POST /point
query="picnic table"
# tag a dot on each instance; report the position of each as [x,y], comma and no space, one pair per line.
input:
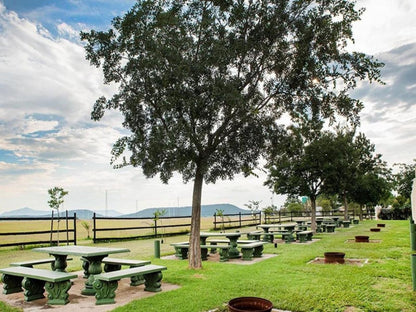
[94,256]
[232,236]
[286,227]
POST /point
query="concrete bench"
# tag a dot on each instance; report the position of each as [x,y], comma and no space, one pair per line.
[304,236]
[255,235]
[224,252]
[31,263]
[252,250]
[286,236]
[114,264]
[330,228]
[105,284]
[181,250]
[35,281]
[215,242]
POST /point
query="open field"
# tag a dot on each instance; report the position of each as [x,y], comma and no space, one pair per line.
[383,283]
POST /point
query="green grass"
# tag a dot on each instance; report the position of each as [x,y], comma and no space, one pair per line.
[383,284]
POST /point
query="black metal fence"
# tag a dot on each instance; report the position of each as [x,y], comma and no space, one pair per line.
[38,237]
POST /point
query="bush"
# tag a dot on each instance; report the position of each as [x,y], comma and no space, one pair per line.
[396,213]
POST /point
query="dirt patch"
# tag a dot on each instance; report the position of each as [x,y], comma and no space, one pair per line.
[124,294]
[356,262]
[369,241]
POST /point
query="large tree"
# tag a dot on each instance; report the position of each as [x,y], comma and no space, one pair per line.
[299,163]
[354,157]
[202,83]
[404,179]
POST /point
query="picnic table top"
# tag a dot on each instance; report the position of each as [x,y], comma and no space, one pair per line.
[229,234]
[82,251]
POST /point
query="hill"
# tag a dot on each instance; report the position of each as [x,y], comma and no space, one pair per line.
[206,211]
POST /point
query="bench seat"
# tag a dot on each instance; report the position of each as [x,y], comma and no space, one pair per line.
[181,250]
[304,236]
[105,284]
[224,252]
[31,263]
[114,264]
[35,281]
[251,250]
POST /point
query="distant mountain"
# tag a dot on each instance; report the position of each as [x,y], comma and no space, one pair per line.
[25,212]
[31,213]
[206,211]
[109,213]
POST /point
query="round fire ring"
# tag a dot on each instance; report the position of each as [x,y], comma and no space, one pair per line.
[375,229]
[334,257]
[249,304]
[381,225]
[362,239]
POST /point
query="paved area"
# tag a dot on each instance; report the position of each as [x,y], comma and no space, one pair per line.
[77,302]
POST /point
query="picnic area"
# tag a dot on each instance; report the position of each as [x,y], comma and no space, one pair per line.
[289,274]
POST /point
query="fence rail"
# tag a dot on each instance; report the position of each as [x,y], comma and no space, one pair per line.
[138,228]
[37,237]
[236,220]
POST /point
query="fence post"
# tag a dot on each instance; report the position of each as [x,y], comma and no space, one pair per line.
[67,233]
[50,239]
[75,228]
[94,227]
[215,220]
[155,227]
[239,218]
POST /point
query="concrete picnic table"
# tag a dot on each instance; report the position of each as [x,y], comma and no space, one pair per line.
[232,236]
[94,256]
[286,227]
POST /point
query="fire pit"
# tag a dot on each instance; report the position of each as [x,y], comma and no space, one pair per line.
[381,225]
[375,229]
[362,239]
[334,257]
[249,304]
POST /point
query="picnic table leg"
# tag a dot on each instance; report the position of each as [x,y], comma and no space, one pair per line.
[60,263]
[105,291]
[94,268]
[233,253]
[153,281]
[11,284]
[34,289]
[58,292]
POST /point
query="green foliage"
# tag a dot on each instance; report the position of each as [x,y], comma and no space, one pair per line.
[87,226]
[404,178]
[56,197]
[159,213]
[397,212]
[202,84]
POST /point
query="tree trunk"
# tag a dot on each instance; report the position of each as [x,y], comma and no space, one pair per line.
[346,218]
[361,212]
[313,214]
[195,261]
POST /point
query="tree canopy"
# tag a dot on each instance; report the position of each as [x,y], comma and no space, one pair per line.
[201,84]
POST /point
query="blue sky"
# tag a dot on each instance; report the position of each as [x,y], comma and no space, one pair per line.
[48,89]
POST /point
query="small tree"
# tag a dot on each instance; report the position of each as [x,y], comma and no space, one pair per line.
[87,227]
[220,213]
[156,216]
[254,206]
[57,199]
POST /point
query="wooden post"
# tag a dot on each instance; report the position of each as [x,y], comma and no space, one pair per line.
[239,217]
[75,228]
[67,233]
[94,239]
[50,240]
[215,220]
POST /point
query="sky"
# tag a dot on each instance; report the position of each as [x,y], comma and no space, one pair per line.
[47,91]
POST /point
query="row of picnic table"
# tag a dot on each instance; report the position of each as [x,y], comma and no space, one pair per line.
[57,281]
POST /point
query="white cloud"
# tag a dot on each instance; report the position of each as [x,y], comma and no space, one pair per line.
[385,24]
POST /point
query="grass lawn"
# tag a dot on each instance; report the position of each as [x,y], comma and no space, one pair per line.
[382,284]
